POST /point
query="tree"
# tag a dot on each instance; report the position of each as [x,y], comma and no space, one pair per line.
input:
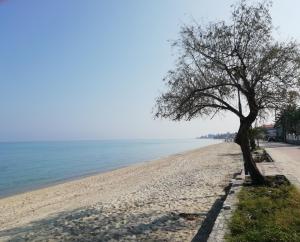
[236,66]
[255,133]
[289,120]
[288,115]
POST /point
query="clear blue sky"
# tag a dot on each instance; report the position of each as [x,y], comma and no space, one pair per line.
[75,69]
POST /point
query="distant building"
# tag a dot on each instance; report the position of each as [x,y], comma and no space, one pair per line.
[271,132]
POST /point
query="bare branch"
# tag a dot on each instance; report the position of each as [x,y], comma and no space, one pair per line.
[222,60]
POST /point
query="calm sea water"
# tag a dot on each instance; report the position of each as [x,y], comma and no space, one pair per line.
[29,165]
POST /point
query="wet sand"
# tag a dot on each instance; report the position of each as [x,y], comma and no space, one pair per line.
[161,200]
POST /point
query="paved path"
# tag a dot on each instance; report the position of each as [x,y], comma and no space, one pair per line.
[287,159]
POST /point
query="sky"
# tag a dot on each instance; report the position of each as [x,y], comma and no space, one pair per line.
[78,69]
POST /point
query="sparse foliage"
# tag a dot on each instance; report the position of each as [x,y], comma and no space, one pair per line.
[237,67]
[255,133]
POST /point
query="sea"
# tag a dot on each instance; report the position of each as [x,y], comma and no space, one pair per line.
[26,166]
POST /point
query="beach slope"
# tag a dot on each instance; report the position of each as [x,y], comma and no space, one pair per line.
[161,200]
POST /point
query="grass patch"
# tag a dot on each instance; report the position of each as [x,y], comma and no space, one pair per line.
[266,213]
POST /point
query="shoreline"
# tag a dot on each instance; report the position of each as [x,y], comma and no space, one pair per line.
[90,174]
[152,193]
[83,173]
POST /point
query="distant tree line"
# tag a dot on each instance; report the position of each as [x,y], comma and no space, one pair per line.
[227,135]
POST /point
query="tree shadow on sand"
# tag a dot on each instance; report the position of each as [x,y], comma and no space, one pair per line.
[96,225]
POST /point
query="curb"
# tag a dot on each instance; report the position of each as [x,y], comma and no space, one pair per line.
[221,225]
[290,177]
[214,226]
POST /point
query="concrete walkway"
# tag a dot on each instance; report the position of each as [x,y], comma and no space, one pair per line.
[286,159]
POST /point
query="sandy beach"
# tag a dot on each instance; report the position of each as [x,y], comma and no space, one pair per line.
[161,200]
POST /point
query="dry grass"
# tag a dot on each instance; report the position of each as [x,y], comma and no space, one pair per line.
[267,213]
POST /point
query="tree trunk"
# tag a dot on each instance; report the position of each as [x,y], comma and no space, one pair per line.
[252,143]
[284,128]
[242,139]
